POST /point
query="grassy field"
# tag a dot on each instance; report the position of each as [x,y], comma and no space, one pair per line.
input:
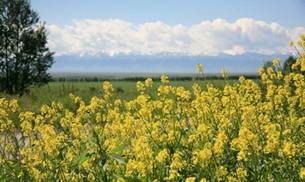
[59,91]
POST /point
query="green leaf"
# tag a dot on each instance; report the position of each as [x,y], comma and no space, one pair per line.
[118,158]
[79,160]
[118,149]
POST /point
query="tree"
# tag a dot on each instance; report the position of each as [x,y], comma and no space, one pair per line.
[268,64]
[24,55]
[287,67]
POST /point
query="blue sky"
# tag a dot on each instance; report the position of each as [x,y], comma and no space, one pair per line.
[138,29]
[188,27]
[288,13]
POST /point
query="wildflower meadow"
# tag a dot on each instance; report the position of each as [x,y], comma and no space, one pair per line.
[247,131]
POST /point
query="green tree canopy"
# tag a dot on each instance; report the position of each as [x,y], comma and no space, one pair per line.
[24,55]
[287,67]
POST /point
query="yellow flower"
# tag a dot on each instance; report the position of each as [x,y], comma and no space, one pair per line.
[162,155]
[148,82]
[86,164]
[121,180]
[164,90]
[203,180]
[91,177]
[303,65]
[202,157]
[224,73]
[172,133]
[190,179]
[291,43]
[232,179]
[276,62]
[199,68]
[107,86]
[131,167]
[219,144]
[273,138]
[241,172]
[242,79]
[221,173]
[177,162]
[302,173]
[164,79]
[140,87]
[289,149]
[13,104]
[173,174]
[98,117]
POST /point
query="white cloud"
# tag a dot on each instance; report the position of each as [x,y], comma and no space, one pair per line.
[94,37]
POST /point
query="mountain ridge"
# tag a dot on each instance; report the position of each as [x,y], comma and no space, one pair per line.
[245,63]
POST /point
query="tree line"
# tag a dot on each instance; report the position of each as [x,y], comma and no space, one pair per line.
[286,67]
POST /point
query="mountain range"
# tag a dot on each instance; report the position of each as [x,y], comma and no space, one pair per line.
[247,63]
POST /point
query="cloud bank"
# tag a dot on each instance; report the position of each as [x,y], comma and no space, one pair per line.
[114,36]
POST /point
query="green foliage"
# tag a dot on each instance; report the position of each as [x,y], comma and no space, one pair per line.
[287,67]
[59,91]
[24,55]
[268,64]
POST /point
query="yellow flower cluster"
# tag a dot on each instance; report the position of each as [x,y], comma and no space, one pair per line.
[246,131]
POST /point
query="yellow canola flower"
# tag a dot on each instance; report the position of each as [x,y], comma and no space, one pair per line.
[303,65]
[241,173]
[140,87]
[177,162]
[162,156]
[289,149]
[276,62]
[291,43]
[199,68]
[190,179]
[164,79]
[221,173]
[148,82]
[171,133]
[202,157]
[302,173]
[224,73]
[219,144]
